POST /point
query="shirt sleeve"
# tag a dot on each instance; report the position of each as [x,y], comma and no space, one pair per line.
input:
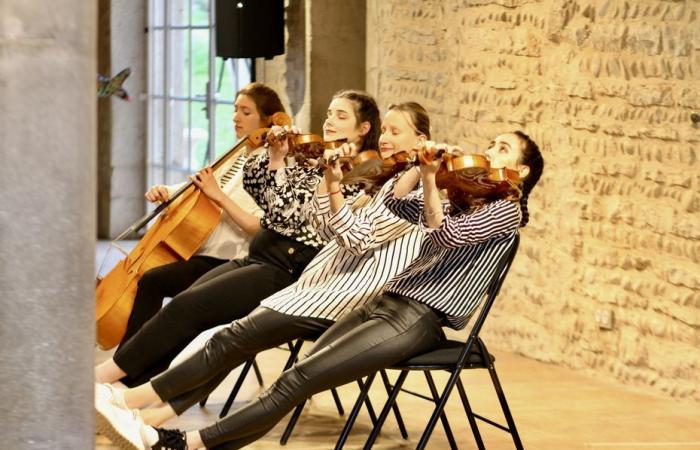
[319,212]
[477,226]
[359,232]
[409,207]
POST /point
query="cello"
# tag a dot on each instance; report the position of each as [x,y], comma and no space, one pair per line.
[185,222]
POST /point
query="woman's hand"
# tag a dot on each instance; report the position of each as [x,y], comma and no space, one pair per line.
[431,168]
[205,181]
[331,158]
[157,193]
[278,145]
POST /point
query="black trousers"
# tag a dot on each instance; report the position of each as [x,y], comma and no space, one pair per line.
[382,333]
[165,281]
[222,295]
[185,384]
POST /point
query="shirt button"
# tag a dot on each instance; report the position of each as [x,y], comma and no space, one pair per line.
[290,251]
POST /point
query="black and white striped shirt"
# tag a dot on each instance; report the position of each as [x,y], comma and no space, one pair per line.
[367,247]
[459,259]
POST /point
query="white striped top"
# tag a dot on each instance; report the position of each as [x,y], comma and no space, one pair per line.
[459,259]
[366,249]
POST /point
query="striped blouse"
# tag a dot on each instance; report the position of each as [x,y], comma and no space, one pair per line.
[459,259]
[366,249]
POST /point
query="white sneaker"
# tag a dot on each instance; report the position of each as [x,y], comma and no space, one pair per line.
[107,392]
[121,426]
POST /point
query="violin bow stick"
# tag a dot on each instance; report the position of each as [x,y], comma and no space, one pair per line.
[136,226]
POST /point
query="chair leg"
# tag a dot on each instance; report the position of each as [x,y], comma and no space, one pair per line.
[338,404]
[470,415]
[395,406]
[294,350]
[258,374]
[292,423]
[368,403]
[385,410]
[504,406]
[237,387]
[437,412]
[364,390]
[203,402]
[443,416]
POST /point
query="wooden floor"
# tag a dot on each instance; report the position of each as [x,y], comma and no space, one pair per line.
[554,409]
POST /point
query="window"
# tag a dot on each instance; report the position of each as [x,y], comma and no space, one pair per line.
[190,90]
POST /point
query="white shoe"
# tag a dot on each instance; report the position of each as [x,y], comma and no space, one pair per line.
[107,392]
[121,426]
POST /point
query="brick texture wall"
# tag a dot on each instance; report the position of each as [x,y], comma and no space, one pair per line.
[607,89]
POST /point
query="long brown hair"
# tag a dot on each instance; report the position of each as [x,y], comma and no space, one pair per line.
[265,98]
[366,110]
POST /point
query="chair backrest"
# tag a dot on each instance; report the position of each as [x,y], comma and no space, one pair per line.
[492,291]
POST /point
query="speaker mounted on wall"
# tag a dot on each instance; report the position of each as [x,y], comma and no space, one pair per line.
[249,28]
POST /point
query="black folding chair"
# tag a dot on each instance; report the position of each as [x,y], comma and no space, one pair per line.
[364,386]
[453,356]
[237,386]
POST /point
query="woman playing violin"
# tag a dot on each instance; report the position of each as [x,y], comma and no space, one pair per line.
[368,245]
[283,246]
[442,287]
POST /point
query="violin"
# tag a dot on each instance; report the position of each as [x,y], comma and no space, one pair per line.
[304,146]
[470,176]
[187,219]
[371,170]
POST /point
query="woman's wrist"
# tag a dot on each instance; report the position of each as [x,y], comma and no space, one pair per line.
[332,186]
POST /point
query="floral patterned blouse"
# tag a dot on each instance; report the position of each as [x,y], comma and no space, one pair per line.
[281,194]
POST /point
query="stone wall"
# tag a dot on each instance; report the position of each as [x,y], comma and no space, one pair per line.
[607,88]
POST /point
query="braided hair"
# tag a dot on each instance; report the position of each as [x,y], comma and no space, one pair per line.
[531,157]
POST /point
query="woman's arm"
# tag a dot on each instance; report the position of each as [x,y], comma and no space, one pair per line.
[209,186]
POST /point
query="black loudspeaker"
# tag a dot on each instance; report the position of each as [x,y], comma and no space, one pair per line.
[249,28]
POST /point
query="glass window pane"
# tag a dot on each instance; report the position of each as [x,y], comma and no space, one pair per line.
[157,12]
[200,136]
[241,73]
[156,152]
[200,63]
[179,12]
[225,134]
[179,155]
[200,12]
[232,79]
[179,63]
[158,62]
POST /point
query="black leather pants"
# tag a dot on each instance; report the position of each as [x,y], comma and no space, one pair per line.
[384,332]
[185,384]
[222,295]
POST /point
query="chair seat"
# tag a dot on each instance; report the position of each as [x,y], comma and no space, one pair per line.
[444,356]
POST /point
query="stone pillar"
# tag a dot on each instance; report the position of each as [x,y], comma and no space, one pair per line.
[47,223]
[123,126]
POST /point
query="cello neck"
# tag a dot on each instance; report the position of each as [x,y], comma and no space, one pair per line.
[140,223]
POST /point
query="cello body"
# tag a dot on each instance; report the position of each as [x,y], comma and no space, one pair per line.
[177,234]
[185,222]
